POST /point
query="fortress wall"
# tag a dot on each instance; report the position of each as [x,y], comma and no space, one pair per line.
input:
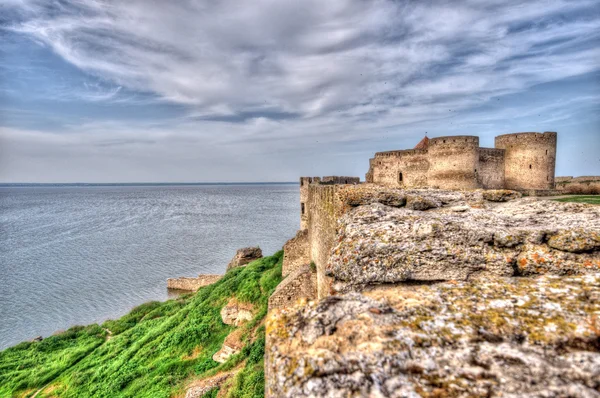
[192,284]
[299,284]
[295,253]
[321,230]
[304,183]
[491,168]
[529,159]
[340,180]
[406,168]
[453,162]
[578,185]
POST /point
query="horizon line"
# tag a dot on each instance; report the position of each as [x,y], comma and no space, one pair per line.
[6,184]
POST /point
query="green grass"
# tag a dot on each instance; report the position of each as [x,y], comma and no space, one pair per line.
[154,351]
[592,199]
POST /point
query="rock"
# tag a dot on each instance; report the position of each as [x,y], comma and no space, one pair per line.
[231,346]
[236,313]
[500,195]
[37,339]
[244,256]
[198,388]
[415,202]
[505,336]
[379,244]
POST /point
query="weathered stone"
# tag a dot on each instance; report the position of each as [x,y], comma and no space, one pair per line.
[244,256]
[295,253]
[299,284]
[192,284]
[500,195]
[201,387]
[509,337]
[414,202]
[236,313]
[378,244]
[231,346]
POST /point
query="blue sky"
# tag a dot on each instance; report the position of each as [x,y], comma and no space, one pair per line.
[265,90]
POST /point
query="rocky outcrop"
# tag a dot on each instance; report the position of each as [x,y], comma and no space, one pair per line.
[231,346]
[192,284]
[379,244]
[236,313]
[244,256]
[505,336]
[201,387]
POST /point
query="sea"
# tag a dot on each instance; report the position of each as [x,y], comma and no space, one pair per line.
[80,254]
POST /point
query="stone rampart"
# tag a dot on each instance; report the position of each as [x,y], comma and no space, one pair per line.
[295,253]
[299,284]
[453,162]
[491,168]
[192,284]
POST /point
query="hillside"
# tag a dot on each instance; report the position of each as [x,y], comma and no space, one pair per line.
[157,350]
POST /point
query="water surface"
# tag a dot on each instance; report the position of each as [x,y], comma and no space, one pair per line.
[83,254]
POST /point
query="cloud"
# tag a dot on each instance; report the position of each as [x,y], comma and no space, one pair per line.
[297,80]
[312,58]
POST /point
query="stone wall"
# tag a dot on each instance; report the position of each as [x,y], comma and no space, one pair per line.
[453,162]
[192,284]
[295,253]
[299,284]
[407,168]
[491,168]
[578,185]
[304,184]
[529,159]
[321,229]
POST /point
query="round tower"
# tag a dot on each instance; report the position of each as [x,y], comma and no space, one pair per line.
[453,162]
[529,159]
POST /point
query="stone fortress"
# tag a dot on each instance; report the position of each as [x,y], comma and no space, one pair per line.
[518,161]
[522,162]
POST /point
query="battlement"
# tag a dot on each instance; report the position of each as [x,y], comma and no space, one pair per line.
[401,152]
[454,140]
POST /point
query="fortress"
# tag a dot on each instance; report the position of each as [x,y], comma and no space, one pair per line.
[520,161]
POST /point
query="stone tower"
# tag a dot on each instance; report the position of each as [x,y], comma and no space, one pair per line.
[453,162]
[529,159]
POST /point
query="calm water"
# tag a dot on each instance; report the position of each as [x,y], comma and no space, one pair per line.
[79,255]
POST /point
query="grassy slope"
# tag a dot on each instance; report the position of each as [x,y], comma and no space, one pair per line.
[154,350]
[592,199]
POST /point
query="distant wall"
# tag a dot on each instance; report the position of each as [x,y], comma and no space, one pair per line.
[491,168]
[454,162]
[295,253]
[192,284]
[578,185]
[529,159]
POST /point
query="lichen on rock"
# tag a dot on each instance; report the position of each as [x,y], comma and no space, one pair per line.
[536,337]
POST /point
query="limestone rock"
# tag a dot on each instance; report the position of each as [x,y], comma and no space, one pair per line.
[244,256]
[505,336]
[379,244]
[236,313]
[201,387]
[415,202]
[192,284]
[500,195]
[231,346]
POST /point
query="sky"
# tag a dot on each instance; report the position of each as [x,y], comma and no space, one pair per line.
[269,90]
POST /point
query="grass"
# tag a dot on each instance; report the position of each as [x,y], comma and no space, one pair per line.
[591,199]
[153,351]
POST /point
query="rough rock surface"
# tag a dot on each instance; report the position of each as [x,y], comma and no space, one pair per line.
[506,336]
[244,256]
[231,346]
[381,244]
[201,387]
[236,313]
[192,284]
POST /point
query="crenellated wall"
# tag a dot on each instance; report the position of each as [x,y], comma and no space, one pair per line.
[529,159]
